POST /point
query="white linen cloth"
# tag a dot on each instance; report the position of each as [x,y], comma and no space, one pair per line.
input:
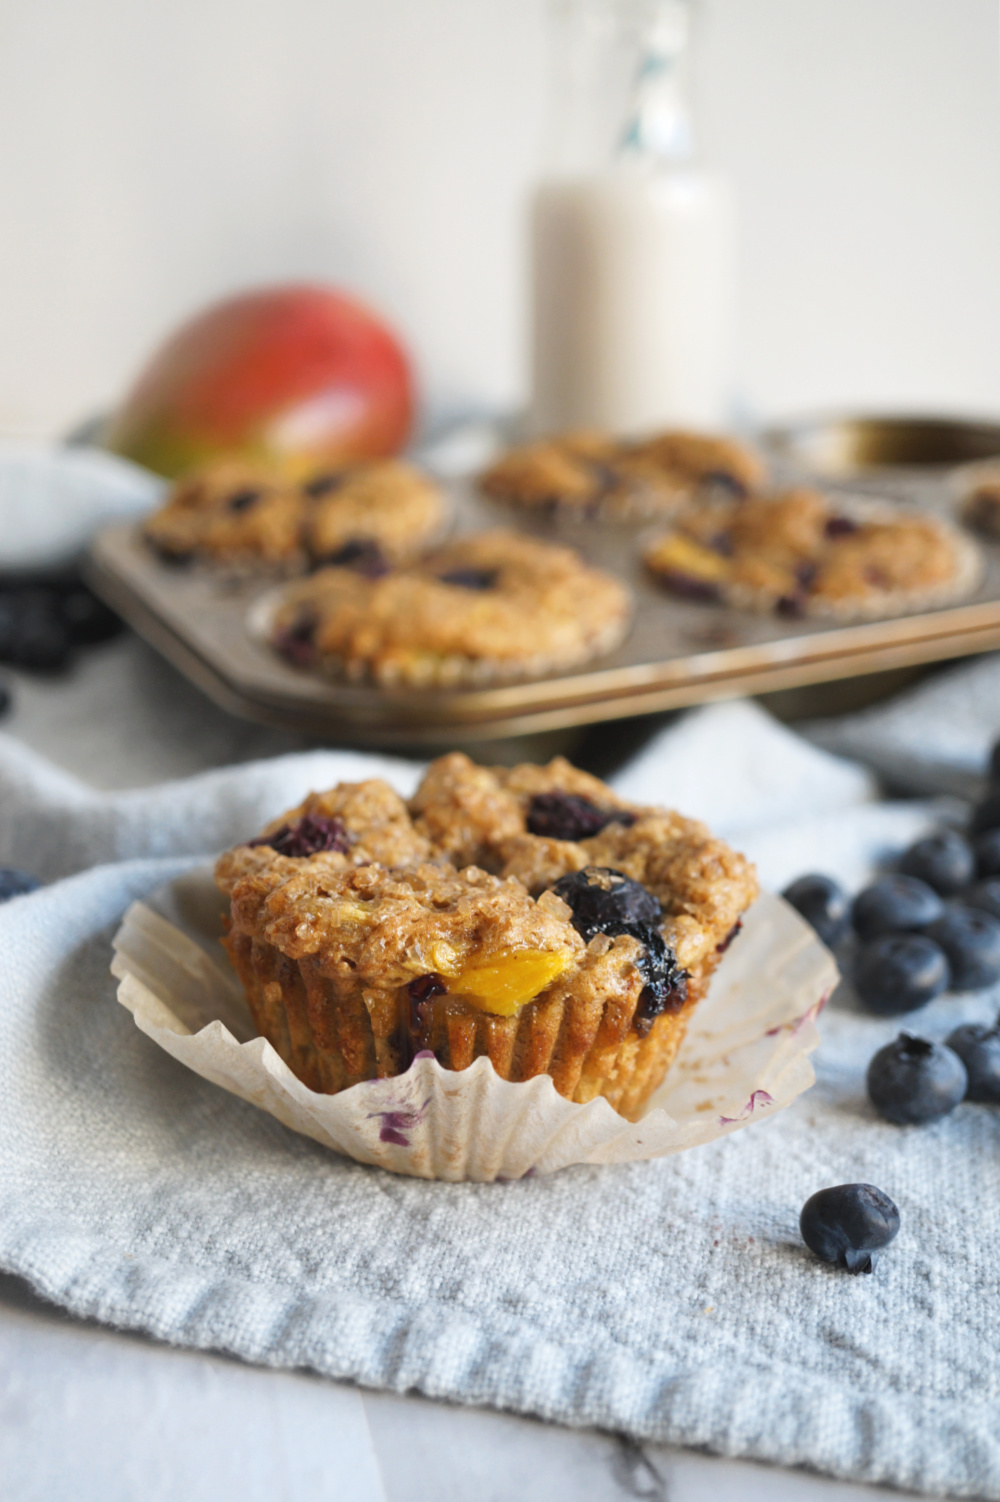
[670,1300]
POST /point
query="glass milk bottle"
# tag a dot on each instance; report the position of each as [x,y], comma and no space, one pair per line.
[632,264]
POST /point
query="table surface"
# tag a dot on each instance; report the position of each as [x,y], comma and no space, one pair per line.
[91,1413]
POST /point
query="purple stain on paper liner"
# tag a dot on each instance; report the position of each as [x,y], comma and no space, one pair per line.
[758,1100]
[798,1023]
[396,1124]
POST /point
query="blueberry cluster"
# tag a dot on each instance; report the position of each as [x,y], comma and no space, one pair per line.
[44,622]
[930,926]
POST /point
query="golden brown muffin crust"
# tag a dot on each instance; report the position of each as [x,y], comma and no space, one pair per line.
[234,512]
[493,606]
[802,553]
[230,510]
[593,473]
[390,504]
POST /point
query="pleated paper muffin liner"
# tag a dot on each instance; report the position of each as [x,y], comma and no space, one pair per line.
[745,1056]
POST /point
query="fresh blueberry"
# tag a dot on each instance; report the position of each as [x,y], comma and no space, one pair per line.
[986,815]
[848,1225]
[899,972]
[944,861]
[987,848]
[88,620]
[33,632]
[895,904]
[15,883]
[823,903]
[912,1081]
[984,895]
[979,1049]
[971,940]
[568,816]
[309,835]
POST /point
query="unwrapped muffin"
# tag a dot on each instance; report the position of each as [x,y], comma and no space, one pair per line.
[528,915]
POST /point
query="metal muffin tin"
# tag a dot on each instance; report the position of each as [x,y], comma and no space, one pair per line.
[677,653]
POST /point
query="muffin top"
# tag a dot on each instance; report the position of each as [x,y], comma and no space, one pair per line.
[494,605]
[371,515]
[367,516]
[802,553]
[229,510]
[545,850]
[594,474]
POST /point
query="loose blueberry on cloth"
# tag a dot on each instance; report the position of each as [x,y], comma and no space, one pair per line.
[671,1299]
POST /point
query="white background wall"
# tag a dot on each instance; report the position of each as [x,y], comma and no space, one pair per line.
[154,155]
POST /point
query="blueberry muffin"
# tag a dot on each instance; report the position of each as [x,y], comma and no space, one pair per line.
[804,554]
[980,499]
[486,608]
[593,474]
[230,511]
[366,516]
[372,516]
[527,915]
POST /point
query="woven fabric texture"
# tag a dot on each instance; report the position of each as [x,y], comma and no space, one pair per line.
[671,1300]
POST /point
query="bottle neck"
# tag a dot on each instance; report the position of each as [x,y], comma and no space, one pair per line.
[620,85]
[659,130]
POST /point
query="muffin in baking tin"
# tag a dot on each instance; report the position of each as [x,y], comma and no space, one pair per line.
[366,516]
[976,487]
[527,915]
[801,553]
[593,474]
[486,608]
